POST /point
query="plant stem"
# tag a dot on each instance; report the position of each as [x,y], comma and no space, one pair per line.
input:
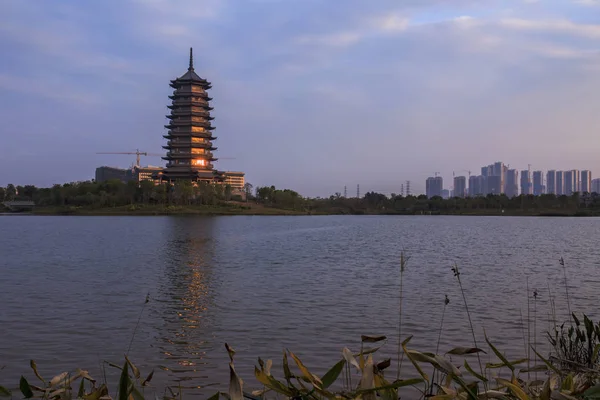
[528,331]
[400,355]
[138,323]
[462,291]
[562,262]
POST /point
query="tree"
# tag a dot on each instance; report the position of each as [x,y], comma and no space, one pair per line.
[248,190]
[11,192]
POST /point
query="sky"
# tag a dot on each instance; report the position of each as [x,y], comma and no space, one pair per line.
[311,95]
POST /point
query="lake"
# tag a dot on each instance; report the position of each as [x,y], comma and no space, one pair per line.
[73,288]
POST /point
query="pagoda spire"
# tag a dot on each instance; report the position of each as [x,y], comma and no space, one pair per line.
[191,67]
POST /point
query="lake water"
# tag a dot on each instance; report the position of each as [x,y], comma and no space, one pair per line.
[72,288]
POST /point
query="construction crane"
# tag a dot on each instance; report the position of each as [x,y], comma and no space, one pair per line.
[138,154]
[462,170]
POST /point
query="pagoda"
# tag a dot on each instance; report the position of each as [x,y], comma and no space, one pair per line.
[189,139]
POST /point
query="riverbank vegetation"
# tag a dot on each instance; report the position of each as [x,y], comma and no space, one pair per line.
[145,198]
[571,370]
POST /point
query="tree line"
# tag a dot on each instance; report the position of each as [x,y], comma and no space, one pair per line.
[116,193]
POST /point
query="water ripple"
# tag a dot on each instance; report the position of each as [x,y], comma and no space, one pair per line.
[73,288]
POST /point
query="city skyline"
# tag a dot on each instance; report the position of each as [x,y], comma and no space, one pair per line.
[434,87]
[498,178]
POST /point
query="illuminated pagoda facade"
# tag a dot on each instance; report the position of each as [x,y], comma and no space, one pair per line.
[190,137]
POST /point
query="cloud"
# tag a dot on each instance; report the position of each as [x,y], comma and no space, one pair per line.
[307,94]
[587,2]
[560,26]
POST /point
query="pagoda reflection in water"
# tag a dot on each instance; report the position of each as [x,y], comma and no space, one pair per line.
[185,300]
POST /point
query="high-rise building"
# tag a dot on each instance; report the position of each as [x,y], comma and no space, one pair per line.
[494,178]
[460,186]
[434,186]
[596,185]
[571,182]
[551,182]
[189,139]
[538,183]
[560,183]
[586,181]
[445,194]
[525,182]
[511,187]
[475,186]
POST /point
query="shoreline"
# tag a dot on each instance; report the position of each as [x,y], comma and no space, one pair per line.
[260,210]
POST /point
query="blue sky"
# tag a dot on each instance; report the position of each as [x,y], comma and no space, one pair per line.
[308,94]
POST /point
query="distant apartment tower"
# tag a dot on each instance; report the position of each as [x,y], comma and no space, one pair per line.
[511,187]
[538,183]
[445,194]
[571,182]
[586,181]
[475,186]
[434,186]
[460,186]
[596,185]
[494,178]
[551,182]
[560,183]
[525,182]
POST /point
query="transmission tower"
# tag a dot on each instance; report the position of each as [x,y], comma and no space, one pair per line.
[408,188]
[358,191]
[402,190]
[345,192]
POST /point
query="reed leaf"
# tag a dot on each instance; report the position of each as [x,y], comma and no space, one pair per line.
[515,389]
[4,392]
[372,339]
[332,375]
[465,387]
[461,351]
[58,378]
[230,351]
[33,366]
[394,385]
[593,392]
[235,384]
[134,369]
[124,383]
[315,380]
[384,364]
[548,363]
[135,393]
[503,364]
[148,378]
[475,374]
[81,390]
[413,361]
[367,381]
[535,368]
[286,369]
[349,357]
[499,355]
[25,388]
[272,383]
[215,396]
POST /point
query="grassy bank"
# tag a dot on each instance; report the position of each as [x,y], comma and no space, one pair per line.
[230,208]
[234,208]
